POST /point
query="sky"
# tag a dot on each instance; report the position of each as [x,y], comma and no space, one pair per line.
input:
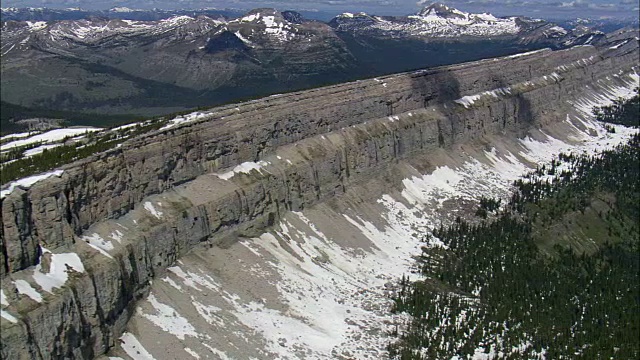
[532,8]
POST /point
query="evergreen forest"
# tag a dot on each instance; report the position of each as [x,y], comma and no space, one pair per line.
[554,273]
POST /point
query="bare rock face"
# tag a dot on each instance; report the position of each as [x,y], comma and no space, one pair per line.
[45,263]
[157,196]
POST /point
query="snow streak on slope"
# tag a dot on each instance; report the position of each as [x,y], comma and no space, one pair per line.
[3,313]
[28,182]
[49,136]
[318,285]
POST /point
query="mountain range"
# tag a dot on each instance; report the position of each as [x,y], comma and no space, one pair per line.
[114,64]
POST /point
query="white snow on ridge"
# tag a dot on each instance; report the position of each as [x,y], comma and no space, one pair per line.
[555,31]
[244,40]
[465,24]
[49,136]
[469,100]
[527,53]
[184,119]
[36,25]
[280,31]
[245,167]
[192,353]
[16,136]
[177,20]
[122,9]
[620,44]
[249,18]
[28,182]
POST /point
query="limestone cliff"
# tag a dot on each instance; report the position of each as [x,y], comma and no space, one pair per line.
[167,190]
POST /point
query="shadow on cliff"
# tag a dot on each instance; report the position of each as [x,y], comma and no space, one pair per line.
[522,117]
[440,87]
[435,86]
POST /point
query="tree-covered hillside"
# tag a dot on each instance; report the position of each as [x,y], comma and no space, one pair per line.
[554,274]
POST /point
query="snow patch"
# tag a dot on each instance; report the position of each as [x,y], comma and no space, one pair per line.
[25,288]
[5,315]
[49,136]
[27,182]
[244,40]
[192,353]
[36,25]
[133,348]
[185,119]
[3,298]
[168,319]
[528,53]
[97,242]
[192,279]
[150,208]
[245,167]
[59,268]
[469,100]
[117,236]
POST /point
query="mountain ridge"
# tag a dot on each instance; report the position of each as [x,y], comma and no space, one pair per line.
[232,173]
[214,58]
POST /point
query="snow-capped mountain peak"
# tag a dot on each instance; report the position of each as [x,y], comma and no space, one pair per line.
[434,21]
[122,9]
[270,22]
[443,11]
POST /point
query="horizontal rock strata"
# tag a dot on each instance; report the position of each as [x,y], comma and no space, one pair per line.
[166,191]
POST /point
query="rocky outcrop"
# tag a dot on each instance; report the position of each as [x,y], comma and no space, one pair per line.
[166,192]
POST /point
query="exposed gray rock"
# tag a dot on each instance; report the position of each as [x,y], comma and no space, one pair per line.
[314,145]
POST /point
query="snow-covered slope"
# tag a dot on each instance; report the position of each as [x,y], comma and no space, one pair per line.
[438,21]
[318,285]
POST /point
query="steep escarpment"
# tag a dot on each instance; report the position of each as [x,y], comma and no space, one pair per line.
[111,184]
[131,212]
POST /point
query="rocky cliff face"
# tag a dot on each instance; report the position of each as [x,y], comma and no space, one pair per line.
[90,240]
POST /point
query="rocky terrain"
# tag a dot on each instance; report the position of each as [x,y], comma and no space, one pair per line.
[170,63]
[97,242]
[133,65]
[50,14]
[438,21]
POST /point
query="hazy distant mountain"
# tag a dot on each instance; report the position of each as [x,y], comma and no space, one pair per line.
[90,62]
[440,22]
[113,62]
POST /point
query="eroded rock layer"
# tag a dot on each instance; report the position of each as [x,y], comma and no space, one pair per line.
[131,212]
